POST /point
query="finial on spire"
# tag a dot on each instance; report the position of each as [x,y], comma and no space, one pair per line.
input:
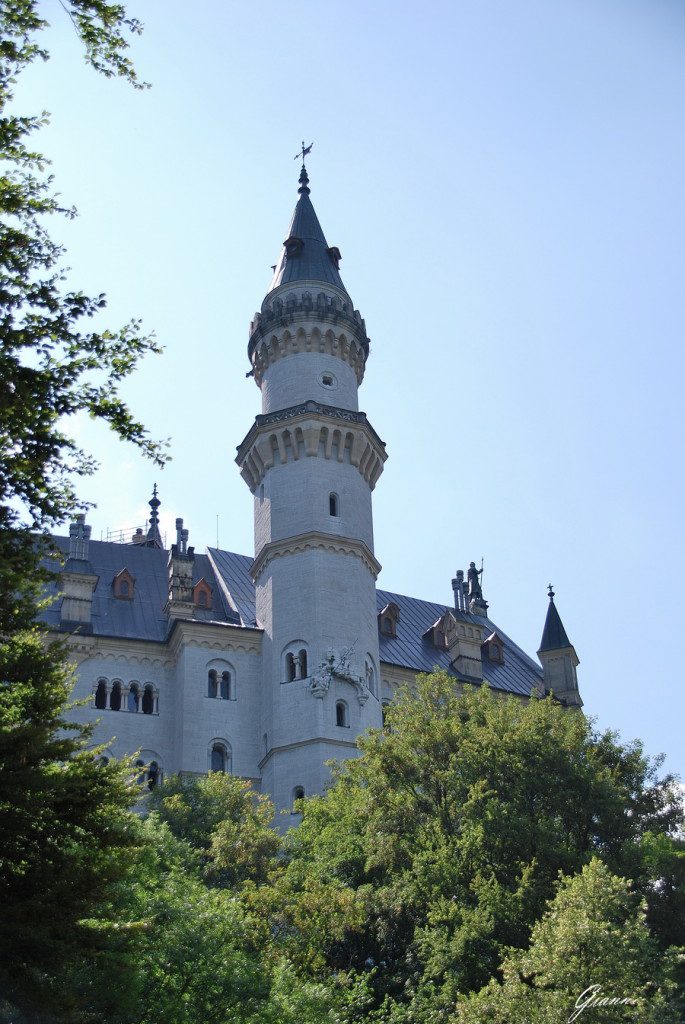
[304,151]
[304,178]
[550,592]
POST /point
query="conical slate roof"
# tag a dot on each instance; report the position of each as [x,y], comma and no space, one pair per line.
[553,635]
[306,255]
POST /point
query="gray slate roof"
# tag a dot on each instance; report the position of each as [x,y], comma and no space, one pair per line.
[519,673]
[233,602]
[143,617]
[313,263]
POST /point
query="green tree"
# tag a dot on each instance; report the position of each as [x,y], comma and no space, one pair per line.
[66,832]
[179,951]
[52,366]
[592,944]
[225,822]
[448,833]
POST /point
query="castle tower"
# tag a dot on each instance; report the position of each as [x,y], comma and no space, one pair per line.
[311,460]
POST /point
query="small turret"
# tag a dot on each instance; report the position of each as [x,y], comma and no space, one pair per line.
[558,658]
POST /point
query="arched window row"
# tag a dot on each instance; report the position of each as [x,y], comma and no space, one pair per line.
[221,684]
[220,757]
[115,695]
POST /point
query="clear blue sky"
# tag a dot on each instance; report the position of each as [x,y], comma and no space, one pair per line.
[505,182]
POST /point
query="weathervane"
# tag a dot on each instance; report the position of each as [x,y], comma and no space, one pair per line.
[303,152]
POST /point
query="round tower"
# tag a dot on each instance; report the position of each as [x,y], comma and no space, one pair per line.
[312,460]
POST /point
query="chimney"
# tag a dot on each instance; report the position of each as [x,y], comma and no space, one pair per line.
[458,588]
[180,604]
[78,580]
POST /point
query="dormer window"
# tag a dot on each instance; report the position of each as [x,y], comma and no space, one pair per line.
[388,619]
[334,254]
[442,634]
[293,245]
[492,648]
[123,585]
[202,595]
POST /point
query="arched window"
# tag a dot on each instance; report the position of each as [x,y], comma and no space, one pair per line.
[115,697]
[101,695]
[298,794]
[152,774]
[333,504]
[303,663]
[226,686]
[212,684]
[290,673]
[148,701]
[133,697]
[140,779]
[219,757]
[341,714]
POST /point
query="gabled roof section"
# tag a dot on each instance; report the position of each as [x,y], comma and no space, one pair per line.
[554,636]
[413,650]
[306,255]
[143,617]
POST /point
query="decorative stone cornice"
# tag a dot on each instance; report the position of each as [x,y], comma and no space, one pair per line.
[285,343]
[310,541]
[329,740]
[213,635]
[297,320]
[311,430]
[192,633]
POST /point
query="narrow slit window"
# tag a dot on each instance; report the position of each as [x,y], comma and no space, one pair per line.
[333,505]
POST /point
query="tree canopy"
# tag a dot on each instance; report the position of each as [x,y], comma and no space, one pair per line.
[52,363]
[447,836]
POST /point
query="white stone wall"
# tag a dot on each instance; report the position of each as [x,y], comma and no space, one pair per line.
[295,500]
[297,378]
[180,734]
[324,600]
[126,731]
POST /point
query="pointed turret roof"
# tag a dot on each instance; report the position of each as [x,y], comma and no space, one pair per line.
[306,255]
[554,636]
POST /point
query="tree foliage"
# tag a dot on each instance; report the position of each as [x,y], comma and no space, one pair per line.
[448,834]
[225,822]
[66,832]
[592,944]
[52,363]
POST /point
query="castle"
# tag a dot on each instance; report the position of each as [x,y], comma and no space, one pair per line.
[267,667]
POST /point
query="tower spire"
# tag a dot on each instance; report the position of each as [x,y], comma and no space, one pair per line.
[558,657]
